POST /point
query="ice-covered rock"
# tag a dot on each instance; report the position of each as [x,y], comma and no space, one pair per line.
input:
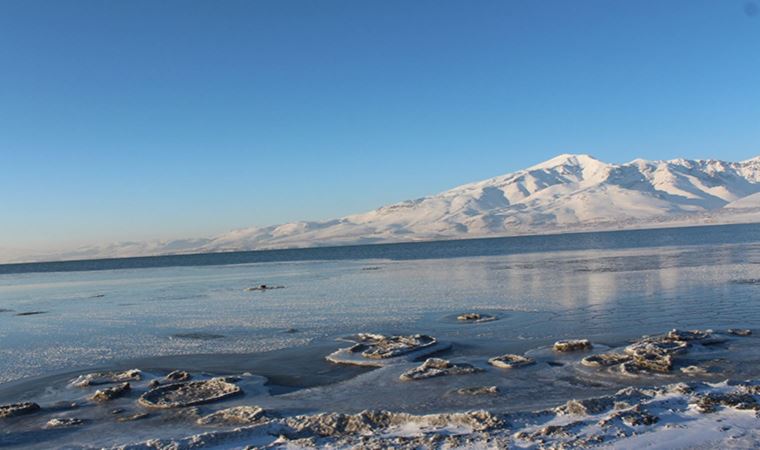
[744,332]
[178,375]
[436,367]
[571,345]
[633,417]
[710,402]
[378,350]
[475,318]
[689,335]
[238,415]
[110,393]
[510,361]
[187,394]
[479,390]
[605,359]
[92,379]
[18,409]
[63,422]
[693,370]
[586,407]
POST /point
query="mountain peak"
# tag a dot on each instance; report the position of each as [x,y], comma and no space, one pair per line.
[568,159]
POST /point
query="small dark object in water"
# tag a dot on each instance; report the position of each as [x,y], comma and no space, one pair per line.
[750,281]
[199,336]
[371,268]
[263,287]
[31,313]
[2,310]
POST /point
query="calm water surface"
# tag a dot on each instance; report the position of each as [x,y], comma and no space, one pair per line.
[609,287]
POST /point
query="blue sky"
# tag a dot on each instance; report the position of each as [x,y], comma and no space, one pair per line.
[127,120]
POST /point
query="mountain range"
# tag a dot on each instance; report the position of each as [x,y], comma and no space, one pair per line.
[571,192]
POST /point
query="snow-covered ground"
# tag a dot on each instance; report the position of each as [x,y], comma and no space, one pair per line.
[566,193]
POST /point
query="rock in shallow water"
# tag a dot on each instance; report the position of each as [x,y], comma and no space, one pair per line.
[436,367]
[744,332]
[92,379]
[571,345]
[475,318]
[18,409]
[64,422]
[478,390]
[187,394]
[178,375]
[510,361]
[238,415]
[605,359]
[377,346]
[104,395]
[379,350]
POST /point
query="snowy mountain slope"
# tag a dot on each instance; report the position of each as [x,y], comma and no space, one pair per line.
[564,191]
[568,192]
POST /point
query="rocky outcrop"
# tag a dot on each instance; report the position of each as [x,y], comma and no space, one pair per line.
[510,361]
[436,367]
[187,394]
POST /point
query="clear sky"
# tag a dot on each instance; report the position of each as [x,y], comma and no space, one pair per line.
[127,120]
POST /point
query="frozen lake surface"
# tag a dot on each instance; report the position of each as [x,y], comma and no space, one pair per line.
[56,325]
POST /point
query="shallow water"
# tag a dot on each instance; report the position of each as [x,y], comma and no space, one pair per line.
[201,319]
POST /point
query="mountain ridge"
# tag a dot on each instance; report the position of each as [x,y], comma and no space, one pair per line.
[569,192]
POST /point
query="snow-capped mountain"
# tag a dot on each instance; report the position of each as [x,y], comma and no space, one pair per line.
[568,192]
